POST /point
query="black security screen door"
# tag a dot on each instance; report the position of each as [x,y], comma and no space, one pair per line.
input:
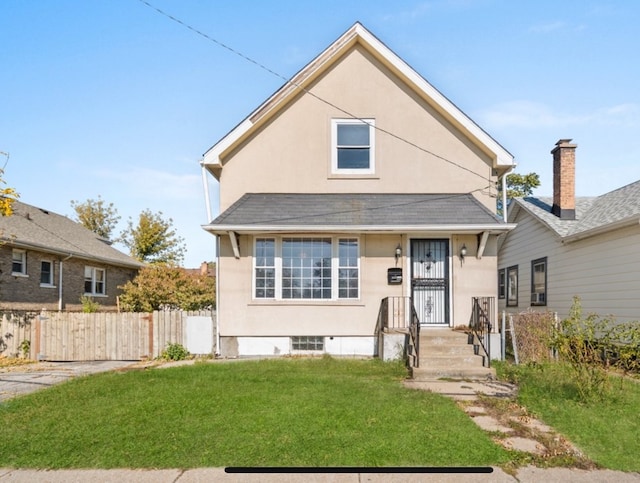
[430,280]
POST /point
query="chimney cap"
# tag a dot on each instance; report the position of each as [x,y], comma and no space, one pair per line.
[564,143]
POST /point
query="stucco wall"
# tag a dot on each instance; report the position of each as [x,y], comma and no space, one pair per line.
[242,315]
[292,152]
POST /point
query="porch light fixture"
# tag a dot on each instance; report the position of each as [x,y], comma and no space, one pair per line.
[398,252]
[463,251]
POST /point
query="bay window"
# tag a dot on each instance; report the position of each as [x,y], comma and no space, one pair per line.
[306,268]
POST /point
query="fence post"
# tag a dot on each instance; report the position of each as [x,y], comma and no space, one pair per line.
[503,337]
[514,340]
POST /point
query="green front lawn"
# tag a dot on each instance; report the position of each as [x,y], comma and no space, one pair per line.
[607,428]
[284,412]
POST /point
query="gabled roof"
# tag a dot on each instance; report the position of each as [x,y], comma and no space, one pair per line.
[30,227]
[357,34]
[300,212]
[594,215]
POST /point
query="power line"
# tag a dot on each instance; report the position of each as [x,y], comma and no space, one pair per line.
[306,91]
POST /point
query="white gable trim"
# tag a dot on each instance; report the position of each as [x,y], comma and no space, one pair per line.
[212,159]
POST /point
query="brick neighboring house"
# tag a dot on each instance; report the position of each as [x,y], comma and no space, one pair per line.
[48,261]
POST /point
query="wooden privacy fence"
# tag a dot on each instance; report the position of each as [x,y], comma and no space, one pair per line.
[70,336]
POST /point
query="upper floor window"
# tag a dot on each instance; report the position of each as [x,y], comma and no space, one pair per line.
[94,281]
[46,273]
[539,282]
[19,262]
[353,142]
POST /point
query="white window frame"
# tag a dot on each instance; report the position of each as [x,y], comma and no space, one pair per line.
[90,275]
[23,262]
[334,146]
[335,268]
[50,283]
[539,297]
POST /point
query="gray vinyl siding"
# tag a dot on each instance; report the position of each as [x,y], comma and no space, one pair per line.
[603,270]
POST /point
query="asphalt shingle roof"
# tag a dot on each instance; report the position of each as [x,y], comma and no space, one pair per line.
[38,228]
[361,209]
[591,212]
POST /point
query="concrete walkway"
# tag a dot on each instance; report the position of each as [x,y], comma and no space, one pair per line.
[20,380]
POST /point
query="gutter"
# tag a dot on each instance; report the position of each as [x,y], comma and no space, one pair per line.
[629,221]
[380,229]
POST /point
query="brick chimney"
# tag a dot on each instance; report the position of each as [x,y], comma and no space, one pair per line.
[564,180]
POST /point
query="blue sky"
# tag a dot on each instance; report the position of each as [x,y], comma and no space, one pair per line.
[110,98]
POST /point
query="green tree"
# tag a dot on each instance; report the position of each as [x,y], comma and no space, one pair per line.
[97,216]
[518,185]
[7,197]
[162,286]
[153,240]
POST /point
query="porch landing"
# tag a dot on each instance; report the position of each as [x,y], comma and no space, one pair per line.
[446,353]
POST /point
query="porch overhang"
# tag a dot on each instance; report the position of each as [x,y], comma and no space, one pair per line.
[357,213]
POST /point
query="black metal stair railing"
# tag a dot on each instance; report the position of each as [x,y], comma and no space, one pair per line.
[481,325]
[398,313]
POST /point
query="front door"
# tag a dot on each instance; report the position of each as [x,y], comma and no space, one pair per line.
[430,281]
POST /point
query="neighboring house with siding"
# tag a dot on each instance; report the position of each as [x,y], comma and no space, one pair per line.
[569,246]
[48,261]
[356,181]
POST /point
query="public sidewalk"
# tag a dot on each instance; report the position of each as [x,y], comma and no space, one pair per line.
[202,475]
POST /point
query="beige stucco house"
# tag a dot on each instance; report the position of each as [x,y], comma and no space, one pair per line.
[355,182]
[566,246]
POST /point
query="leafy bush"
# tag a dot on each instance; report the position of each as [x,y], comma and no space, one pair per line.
[174,352]
[89,306]
[167,287]
[581,341]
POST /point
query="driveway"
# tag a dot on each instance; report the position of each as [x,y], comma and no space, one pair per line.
[16,381]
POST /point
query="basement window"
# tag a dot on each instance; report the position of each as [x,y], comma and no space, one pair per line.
[307,343]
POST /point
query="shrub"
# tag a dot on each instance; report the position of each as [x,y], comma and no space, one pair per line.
[582,341]
[89,305]
[174,352]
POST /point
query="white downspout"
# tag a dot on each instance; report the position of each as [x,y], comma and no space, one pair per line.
[205,184]
[217,295]
[504,197]
[60,282]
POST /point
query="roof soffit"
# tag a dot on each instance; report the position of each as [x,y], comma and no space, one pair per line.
[357,34]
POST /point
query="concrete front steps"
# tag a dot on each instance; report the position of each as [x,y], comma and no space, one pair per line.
[448,353]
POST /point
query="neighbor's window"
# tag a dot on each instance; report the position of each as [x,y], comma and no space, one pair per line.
[539,282]
[353,146]
[46,273]
[307,343]
[322,268]
[502,283]
[512,286]
[94,281]
[19,262]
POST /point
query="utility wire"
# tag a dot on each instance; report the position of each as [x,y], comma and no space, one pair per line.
[306,91]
